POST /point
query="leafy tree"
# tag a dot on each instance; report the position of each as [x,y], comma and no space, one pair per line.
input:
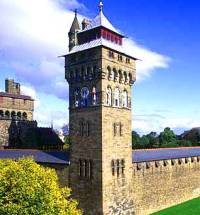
[193,136]
[67,142]
[153,140]
[167,138]
[26,188]
[144,142]
[135,140]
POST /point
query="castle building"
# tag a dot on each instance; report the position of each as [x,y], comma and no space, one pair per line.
[100,74]
[105,176]
[14,105]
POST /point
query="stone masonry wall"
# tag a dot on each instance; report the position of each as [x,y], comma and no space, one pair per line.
[9,131]
[161,184]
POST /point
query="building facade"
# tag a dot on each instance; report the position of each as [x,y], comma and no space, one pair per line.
[100,74]
[14,105]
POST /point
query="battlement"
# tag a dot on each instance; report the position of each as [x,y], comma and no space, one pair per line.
[12,87]
[158,166]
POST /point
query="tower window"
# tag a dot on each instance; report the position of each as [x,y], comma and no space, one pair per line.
[85,167]
[127,60]
[116,97]
[113,167]
[120,58]
[122,166]
[118,166]
[88,129]
[111,54]
[109,96]
[125,99]
[81,124]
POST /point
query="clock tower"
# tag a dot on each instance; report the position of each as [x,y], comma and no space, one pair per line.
[100,74]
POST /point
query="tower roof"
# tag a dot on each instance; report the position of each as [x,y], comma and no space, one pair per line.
[101,20]
[75,24]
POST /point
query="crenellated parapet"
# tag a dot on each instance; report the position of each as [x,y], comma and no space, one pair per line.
[170,165]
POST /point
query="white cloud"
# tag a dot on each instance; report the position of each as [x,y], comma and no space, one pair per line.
[27,90]
[33,33]
[154,122]
[148,61]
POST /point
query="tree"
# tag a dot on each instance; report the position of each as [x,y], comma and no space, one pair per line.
[153,140]
[26,188]
[135,140]
[167,138]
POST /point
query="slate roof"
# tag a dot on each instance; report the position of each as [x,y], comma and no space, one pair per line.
[165,154]
[61,157]
[101,20]
[15,96]
[100,42]
[48,157]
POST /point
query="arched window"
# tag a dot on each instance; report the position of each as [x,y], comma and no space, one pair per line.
[13,115]
[125,98]
[7,114]
[1,114]
[116,97]
[125,78]
[24,115]
[19,115]
[120,76]
[109,96]
[115,74]
[130,78]
[110,74]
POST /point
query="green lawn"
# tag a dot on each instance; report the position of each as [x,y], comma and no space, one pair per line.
[191,207]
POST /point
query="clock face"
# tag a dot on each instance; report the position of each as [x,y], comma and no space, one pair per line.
[84,92]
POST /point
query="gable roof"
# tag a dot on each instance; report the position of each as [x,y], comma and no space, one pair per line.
[63,157]
[46,157]
[101,20]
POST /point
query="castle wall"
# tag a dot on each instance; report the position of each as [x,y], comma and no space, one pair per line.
[11,129]
[161,184]
[4,132]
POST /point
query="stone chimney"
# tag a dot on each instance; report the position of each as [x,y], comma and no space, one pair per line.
[12,87]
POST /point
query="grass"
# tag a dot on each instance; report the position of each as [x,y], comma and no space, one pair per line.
[191,207]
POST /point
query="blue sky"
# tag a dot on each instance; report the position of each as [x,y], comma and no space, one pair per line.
[163,34]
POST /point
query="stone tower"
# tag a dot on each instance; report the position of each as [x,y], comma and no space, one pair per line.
[100,74]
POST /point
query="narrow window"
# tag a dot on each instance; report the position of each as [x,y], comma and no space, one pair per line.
[80,168]
[115,129]
[113,167]
[120,129]
[90,169]
[109,96]
[86,168]
[122,166]
[88,129]
[118,168]
[117,95]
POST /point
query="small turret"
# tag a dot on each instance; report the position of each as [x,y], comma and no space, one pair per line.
[75,27]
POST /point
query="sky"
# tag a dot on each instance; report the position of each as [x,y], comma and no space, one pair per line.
[165,35]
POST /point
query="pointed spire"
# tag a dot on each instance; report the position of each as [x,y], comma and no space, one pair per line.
[100,6]
[75,25]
